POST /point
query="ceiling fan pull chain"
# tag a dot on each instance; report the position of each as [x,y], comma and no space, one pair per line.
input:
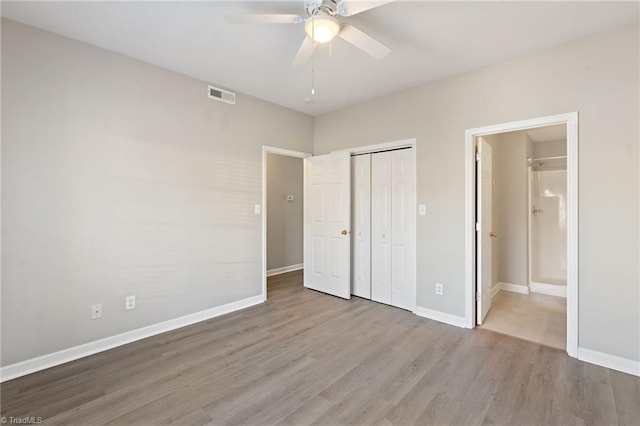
[313,76]
[313,62]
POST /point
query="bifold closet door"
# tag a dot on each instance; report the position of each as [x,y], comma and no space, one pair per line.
[381,227]
[361,227]
[392,235]
[402,229]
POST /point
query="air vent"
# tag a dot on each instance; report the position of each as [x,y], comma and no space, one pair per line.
[222,95]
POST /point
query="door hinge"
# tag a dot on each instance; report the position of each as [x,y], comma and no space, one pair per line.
[477,226]
[477,156]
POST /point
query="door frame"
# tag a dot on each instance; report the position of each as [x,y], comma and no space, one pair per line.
[571,121]
[387,146]
[266,149]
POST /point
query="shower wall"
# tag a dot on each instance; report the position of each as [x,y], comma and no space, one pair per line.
[549,226]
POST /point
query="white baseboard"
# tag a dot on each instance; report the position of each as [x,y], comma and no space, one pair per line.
[516,288]
[442,317]
[549,289]
[290,268]
[613,362]
[495,290]
[60,357]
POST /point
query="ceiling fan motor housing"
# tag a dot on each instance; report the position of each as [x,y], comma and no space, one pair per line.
[330,7]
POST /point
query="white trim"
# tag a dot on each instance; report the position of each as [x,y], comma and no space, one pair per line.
[495,290]
[529,222]
[549,289]
[442,317]
[403,143]
[284,269]
[571,120]
[60,357]
[514,288]
[613,362]
[266,149]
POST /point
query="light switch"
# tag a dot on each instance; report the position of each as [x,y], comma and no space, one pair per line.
[256,209]
[422,209]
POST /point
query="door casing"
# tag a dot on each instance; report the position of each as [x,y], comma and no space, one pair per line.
[280,151]
[571,121]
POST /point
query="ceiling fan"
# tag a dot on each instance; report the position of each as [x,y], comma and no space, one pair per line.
[322,25]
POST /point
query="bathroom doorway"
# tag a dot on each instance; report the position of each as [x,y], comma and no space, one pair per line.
[524,197]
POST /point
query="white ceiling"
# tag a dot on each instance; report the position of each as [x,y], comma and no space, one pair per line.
[429,41]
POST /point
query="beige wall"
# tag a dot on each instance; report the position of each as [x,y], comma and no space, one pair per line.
[512,204]
[284,218]
[509,207]
[549,149]
[596,76]
[121,178]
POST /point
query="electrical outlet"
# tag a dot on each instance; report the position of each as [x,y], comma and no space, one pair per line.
[256,209]
[422,210]
[96,311]
[439,289]
[130,302]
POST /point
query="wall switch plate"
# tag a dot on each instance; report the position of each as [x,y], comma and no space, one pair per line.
[422,209]
[439,289]
[130,302]
[96,311]
[256,209]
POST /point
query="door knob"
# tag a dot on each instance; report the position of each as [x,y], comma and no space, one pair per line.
[493,235]
[344,232]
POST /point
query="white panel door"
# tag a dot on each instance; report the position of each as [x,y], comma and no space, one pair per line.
[327,211]
[361,227]
[484,235]
[381,227]
[403,208]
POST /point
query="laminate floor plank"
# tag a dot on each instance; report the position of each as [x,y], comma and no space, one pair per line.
[304,358]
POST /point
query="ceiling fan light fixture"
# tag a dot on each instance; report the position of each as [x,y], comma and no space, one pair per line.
[322,28]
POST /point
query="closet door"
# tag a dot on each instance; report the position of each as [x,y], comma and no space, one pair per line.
[381,227]
[361,202]
[402,226]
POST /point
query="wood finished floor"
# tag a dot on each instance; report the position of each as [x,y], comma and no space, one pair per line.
[308,358]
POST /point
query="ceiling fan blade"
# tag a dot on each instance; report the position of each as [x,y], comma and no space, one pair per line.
[364,41]
[304,52]
[353,7]
[263,18]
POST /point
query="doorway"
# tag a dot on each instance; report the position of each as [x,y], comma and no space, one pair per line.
[522,187]
[486,280]
[282,214]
